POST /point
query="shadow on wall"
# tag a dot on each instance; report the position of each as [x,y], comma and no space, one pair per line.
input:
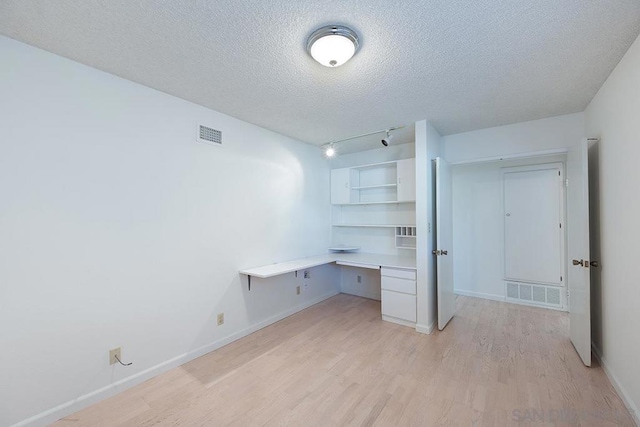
[594,245]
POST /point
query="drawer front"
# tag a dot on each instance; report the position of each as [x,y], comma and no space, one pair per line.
[400,274]
[398,285]
[400,306]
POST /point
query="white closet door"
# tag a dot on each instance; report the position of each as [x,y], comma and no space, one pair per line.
[532,227]
[444,243]
[578,249]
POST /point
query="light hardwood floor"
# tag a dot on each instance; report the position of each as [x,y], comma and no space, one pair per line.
[337,363]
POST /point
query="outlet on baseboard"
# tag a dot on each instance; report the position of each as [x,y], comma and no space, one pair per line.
[307,274]
[116,352]
[220,319]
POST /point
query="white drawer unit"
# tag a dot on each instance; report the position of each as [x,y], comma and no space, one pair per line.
[398,285]
[398,295]
[398,307]
[398,272]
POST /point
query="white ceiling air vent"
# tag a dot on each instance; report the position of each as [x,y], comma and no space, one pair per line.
[208,135]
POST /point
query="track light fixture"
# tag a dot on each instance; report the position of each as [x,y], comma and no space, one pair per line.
[330,149]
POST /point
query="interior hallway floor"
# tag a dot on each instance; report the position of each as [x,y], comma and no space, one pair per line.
[337,363]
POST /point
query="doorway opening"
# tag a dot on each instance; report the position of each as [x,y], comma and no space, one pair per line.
[509,234]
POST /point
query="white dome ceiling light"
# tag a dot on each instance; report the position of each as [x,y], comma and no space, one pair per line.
[332,45]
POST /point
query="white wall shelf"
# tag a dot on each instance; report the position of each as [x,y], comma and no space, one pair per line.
[374,225]
[374,206]
[394,202]
[406,237]
[370,187]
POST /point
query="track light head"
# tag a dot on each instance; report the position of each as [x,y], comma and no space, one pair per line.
[385,141]
[330,151]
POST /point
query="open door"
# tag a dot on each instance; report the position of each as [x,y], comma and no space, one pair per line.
[578,250]
[444,242]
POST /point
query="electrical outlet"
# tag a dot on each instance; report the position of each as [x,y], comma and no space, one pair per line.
[220,319]
[359,278]
[297,290]
[307,275]
[116,352]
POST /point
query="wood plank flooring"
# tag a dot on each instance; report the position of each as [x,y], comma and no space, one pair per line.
[337,363]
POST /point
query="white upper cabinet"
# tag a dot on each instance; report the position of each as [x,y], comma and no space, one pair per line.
[406,180]
[388,182]
[340,186]
[374,205]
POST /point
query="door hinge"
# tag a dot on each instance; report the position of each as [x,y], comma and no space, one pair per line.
[561,278]
[560,225]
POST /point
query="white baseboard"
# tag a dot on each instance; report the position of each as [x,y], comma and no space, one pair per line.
[368,295]
[426,329]
[492,297]
[398,321]
[631,407]
[52,415]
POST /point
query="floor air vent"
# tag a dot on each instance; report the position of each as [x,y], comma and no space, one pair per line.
[209,135]
[527,293]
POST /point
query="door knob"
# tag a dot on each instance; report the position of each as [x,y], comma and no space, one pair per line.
[576,262]
[594,264]
[435,252]
[444,252]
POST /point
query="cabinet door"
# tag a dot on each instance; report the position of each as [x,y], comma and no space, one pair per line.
[406,180]
[340,186]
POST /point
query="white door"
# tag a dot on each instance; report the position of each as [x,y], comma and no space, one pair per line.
[444,241]
[406,180]
[340,186]
[578,251]
[533,234]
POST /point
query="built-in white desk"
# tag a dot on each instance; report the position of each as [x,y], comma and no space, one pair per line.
[363,260]
[397,277]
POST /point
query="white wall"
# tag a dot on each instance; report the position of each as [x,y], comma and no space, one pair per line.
[613,116]
[553,133]
[118,229]
[428,147]
[369,285]
[478,226]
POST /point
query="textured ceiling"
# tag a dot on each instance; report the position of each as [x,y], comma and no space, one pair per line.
[461,64]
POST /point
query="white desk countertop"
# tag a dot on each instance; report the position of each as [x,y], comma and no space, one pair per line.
[365,259]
